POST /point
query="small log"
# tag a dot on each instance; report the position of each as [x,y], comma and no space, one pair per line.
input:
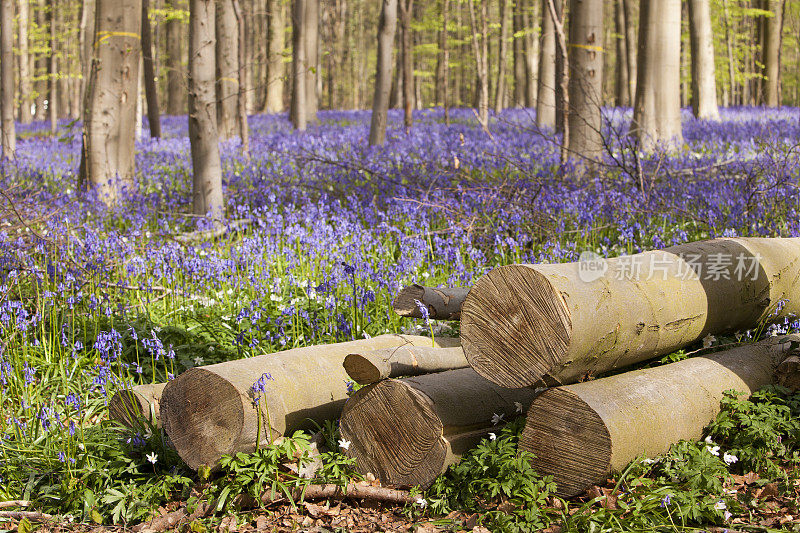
[580,433]
[211,411]
[353,491]
[443,304]
[522,324]
[408,431]
[34,516]
[371,367]
[127,406]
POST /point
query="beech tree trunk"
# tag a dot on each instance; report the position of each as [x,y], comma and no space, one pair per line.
[227,58]
[150,91]
[442,303]
[773,28]
[631,47]
[275,67]
[383,71]
[521,324]
[299,92]
[25,90]
[128,406]
[241,97]
[586,79]
[86,38]
[311,36]
[480,49]
[531,56]
[704,82]
[211,411]
[520,68]
[408,431]
[441,63]
[110,116]
[657,109]
[372,366]
[621,67]
[406,8]
[546,94]
[8,133]
[500,90]
[206,167]
[445,62]
[176,84]
[52,65]
[580,433]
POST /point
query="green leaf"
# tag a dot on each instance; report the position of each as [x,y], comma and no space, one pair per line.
[24,526]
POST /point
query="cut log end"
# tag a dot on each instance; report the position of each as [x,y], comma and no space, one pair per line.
[364,370]
[129,406]
[404,304]
[560,420]
[394,433]
[515,326]
[202,416]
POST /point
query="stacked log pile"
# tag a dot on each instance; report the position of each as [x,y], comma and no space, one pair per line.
[523,328]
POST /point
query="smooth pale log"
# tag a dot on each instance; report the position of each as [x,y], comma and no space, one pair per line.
[582,433]
[522,324]
[127,406]
[210,411]
[442,303]
[408,431]
[373,366]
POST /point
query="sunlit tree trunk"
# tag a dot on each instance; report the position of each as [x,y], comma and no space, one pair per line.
[52,78]
[275,66]
[406,8]
[531,54]
[480,49]
[772,30]
[7,130]
[622,87]
[500,90]
[227,61]
[298,105]
[310,33]
[520,70]
[207,183]
[86,37]
[150,89]
[704,83]
[441,63]
[241,97]
[176,84]
[24,64]
[546,97]
[631,41]
[657,110]
[383,72]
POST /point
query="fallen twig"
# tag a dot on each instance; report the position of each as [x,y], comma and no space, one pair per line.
[35,516]
[14,503]
[329,490]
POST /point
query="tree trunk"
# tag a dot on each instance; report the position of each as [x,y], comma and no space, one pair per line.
[227,59]
[52,65]
[383,72]
[557,14]
[299,92]
[311,36]
[531,58]
[773,28]
[481,52]
[150,90]
[275,67]
[657,109]
[241,97]
[176,93]
[127,406]
[408,431]
[86,39]
[631,48]
[446,61]
[580,433]
[500,90]
[586,79]
[207,183]
[729,45]
[546,94]
[524,323]
[367,367]
[210,411]
[110,116]
[406,8]
[520,68]
[620,27]
[442,304]
[441,64]
[25,116]
[8,136]
[704,83]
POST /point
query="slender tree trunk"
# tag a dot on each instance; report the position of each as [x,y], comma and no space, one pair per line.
[586,79]
[546,97]
[445,61]
[481,52]
[406,8]
[520,68]
[311,36]
[86,38]
[657,110]
[246,45]
[176,84]
[440,64]
[112,92]
[24,64]
[298,111]
[501,60]
[704,83]
[622,86]
[729,43]
[773,28]
[8,141]
[275,66]
[631,40]
[562,73]
[227,54]
[52,79]
[139,103]
[241,97]
[207,183]
[150,90]
[383,73]
[531,51]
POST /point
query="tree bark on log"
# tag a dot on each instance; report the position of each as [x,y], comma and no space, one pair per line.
[443,303]
[408,431]
[128,405]
[521,324]
[370,367]
[581,433]
[211,411]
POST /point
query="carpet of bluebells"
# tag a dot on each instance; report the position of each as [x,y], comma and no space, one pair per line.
[328,229]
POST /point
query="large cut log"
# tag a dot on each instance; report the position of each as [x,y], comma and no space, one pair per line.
[408,431]
[443,304]
[524,323]
[127,406]
[581,433]
[212,411]
[371,367]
